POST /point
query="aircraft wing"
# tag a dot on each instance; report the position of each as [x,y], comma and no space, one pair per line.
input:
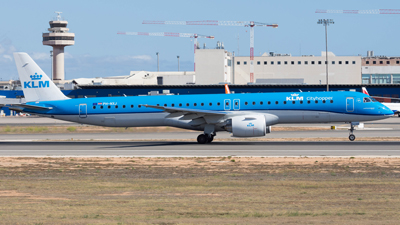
[192,114]
[185,111]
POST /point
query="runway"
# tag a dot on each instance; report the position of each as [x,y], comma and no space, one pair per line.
[183,144]
[190,149]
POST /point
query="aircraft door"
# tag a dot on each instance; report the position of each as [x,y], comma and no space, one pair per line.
[82,110]
[227,104]
[349,104]
[236,104]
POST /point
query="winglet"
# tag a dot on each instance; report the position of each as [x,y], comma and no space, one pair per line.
[227,91]
[364,90]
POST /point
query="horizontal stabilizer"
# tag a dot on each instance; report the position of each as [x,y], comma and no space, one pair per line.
[25,106]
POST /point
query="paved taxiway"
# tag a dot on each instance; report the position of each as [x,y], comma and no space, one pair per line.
[191,136]
[191,149]
[165,144]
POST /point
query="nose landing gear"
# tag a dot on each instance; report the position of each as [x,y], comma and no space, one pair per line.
[352,137]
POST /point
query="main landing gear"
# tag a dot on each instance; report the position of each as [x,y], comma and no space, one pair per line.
[208,135]
[352,137]
[205,138]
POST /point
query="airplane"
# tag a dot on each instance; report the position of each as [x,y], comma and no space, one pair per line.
[395,107]
[244,115]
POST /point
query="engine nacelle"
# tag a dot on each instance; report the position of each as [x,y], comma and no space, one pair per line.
[248,126]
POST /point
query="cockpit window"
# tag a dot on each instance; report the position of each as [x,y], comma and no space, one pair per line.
[373,100]
[367,100]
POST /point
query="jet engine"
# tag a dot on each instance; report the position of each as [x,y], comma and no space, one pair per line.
[250,125]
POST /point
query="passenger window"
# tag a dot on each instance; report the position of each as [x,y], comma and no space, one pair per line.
[284,102]
[293,102]
[210,104]
[172,105]
[323,101]
[139,106]
[202,104]
[269,103]
[331,101]
[254,103]
[123,106]
[218,104]
[109,107]
[116,106]
[94,107]
[316,101]
[187,104]
[301,102]
[180,104]
[236,103]
[308,102]
[276,102]
[101,107]
[194,104]
[165,105]
[261,103]
[246,103]
[226,103]
[131,106]
[158,104]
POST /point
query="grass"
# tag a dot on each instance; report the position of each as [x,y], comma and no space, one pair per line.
[71,129]
[173,191]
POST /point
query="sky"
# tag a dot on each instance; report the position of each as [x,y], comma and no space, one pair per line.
[99,51]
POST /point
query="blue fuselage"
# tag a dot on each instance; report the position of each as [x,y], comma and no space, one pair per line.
[300,107]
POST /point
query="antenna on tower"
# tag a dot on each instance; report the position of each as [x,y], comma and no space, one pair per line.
[58,15]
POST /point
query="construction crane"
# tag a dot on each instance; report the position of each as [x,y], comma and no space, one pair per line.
[172,34]
[371,11]
[250,24]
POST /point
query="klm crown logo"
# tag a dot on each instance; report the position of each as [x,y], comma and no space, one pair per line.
[294,97]
[36,77]
[36,82]
[250,125]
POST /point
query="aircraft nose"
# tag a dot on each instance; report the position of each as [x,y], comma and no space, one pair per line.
[386,111]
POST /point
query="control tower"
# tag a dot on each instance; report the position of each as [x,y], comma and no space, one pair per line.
[58,38]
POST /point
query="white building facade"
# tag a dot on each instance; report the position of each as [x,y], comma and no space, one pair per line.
[213,66]
[309,69]
[381,70]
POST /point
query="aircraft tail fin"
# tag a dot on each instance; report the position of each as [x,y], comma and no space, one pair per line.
[227,91]
[36,85]
[364,90]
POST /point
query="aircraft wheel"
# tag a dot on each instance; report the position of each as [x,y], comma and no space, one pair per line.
[210,138]
[352,137]
[202,139]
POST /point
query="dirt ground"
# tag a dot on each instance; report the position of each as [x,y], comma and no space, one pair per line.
[205,190]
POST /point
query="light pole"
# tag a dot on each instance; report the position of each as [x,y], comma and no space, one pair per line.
[326,23]
[158,63]
[178,62]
